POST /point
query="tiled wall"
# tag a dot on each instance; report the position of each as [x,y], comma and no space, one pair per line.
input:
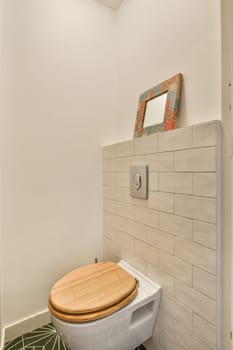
[172,236]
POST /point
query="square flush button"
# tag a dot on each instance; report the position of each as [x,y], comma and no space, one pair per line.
[139,181]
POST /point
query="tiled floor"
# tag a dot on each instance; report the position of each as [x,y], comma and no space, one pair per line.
[44,338]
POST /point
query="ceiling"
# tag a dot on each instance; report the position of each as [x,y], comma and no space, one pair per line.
[114,4]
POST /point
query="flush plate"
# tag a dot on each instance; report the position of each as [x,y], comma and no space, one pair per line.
[139,181]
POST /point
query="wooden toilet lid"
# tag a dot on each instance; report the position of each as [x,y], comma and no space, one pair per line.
[91,292]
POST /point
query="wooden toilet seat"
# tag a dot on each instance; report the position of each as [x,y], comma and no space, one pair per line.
[91,292]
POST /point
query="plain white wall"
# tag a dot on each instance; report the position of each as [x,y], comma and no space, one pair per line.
[59,97]
[1,104]
[157,39]
[227,185]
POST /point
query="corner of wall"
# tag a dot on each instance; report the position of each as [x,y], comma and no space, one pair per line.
[26,325]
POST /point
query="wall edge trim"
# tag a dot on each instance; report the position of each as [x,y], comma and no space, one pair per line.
[24,325]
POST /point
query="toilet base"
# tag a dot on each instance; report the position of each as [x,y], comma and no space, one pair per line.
[111,330]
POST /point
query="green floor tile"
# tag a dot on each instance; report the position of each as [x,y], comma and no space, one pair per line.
[43,338]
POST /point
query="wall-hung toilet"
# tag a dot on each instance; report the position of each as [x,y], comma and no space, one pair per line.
[104,306]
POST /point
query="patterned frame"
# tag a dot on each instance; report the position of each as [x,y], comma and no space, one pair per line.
[173,87]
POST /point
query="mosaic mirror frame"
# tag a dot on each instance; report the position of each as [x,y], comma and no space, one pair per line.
[172,87]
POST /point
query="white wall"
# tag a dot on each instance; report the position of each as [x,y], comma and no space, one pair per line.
[227,93]
[157,39]
[59,96]
[1,103]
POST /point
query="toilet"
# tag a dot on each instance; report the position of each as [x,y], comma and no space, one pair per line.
[104,306]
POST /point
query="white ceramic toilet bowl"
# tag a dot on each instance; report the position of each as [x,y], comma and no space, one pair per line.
[125,329]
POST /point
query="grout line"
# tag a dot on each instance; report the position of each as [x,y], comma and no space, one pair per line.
[219,223]
[162,211]
[158,212]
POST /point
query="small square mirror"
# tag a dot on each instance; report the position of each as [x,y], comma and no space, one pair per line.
[158,107]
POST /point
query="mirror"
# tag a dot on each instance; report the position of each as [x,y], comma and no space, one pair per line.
[158,107]
[154,113]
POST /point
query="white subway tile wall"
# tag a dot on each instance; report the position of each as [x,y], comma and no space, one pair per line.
[171,237]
